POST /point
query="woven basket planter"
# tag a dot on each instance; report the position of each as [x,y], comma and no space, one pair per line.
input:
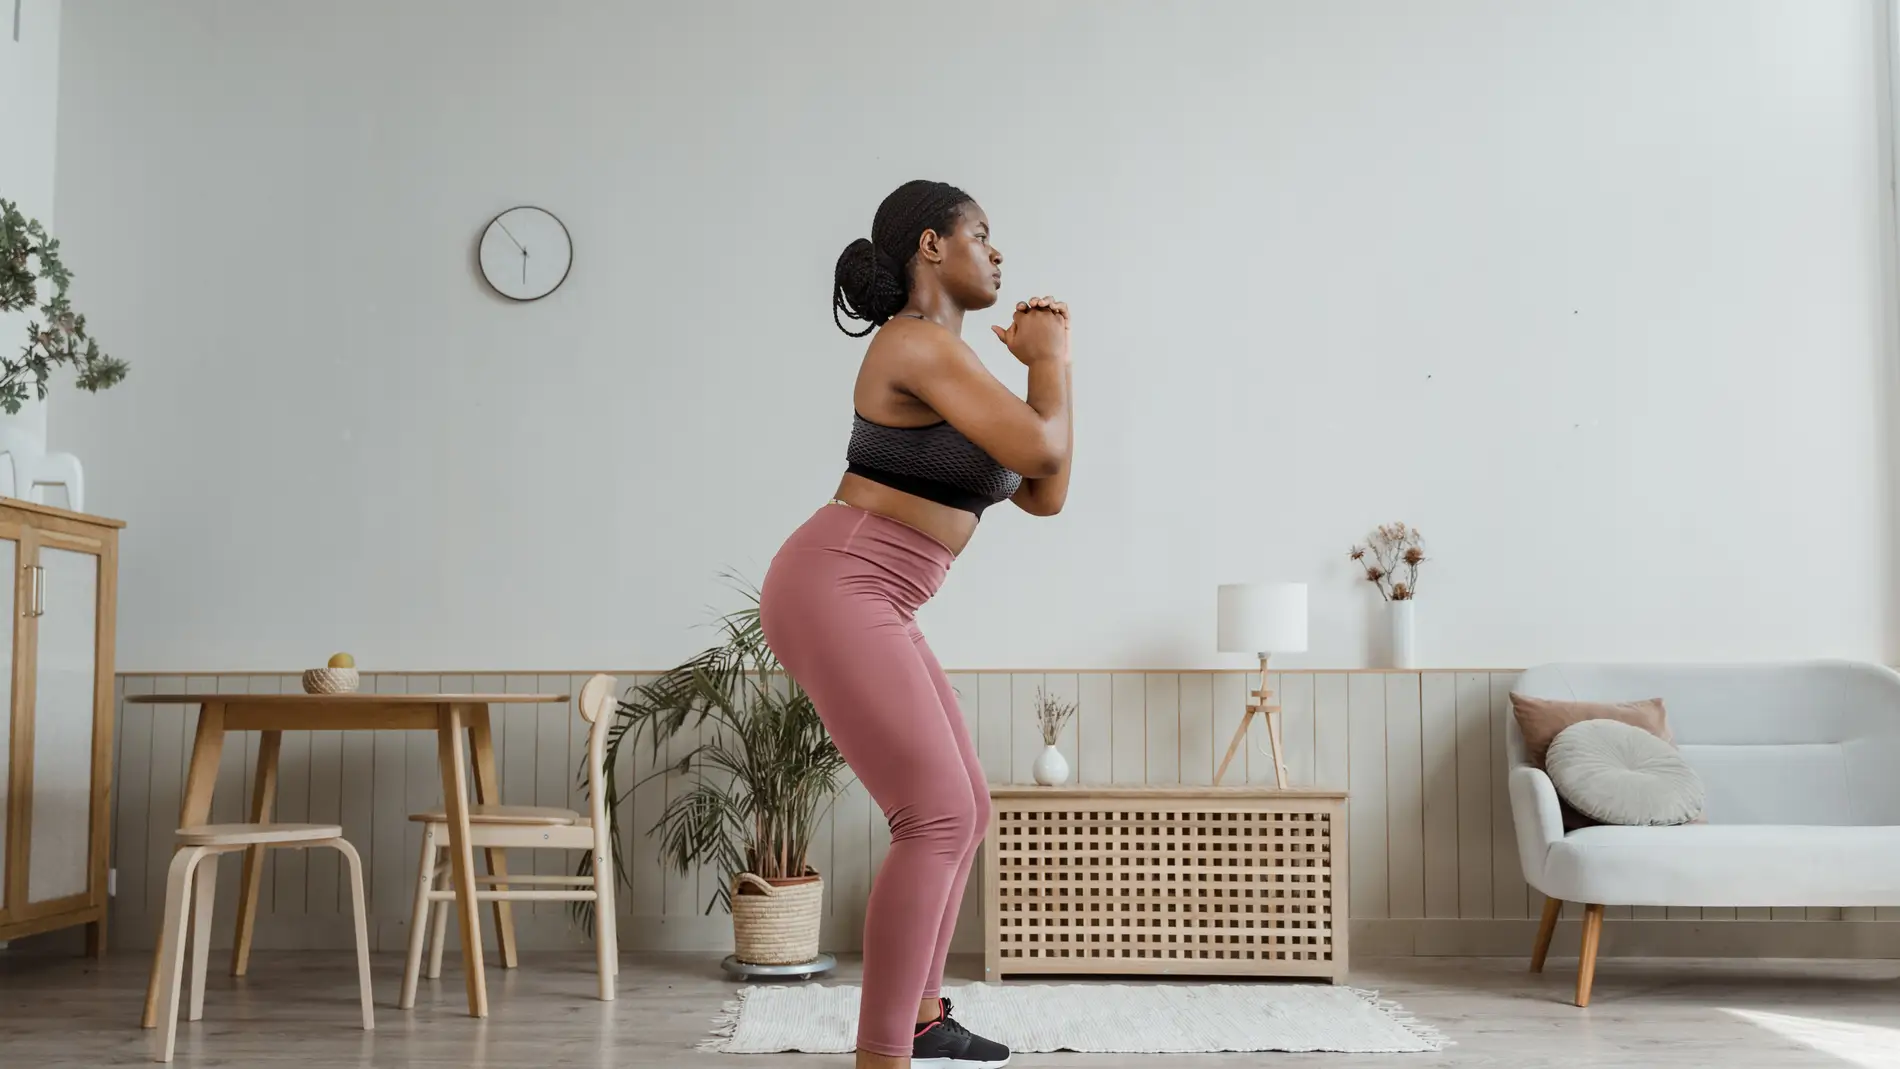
[775,922]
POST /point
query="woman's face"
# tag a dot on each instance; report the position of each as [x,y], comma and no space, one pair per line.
[969,266]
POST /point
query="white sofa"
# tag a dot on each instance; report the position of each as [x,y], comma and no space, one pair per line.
[1802,768]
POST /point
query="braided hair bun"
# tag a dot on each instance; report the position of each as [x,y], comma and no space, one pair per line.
[867,285]
[872,280]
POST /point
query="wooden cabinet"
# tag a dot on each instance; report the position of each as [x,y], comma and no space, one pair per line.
[1165,881]
[56,723]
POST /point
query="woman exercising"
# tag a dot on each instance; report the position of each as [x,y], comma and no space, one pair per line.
[936,440]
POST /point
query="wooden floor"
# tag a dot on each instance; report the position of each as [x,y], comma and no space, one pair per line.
[298,1009]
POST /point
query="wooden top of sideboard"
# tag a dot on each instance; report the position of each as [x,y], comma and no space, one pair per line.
[60,514]
[1157,793]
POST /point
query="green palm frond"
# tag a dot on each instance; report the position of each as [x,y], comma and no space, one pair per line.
[760,772]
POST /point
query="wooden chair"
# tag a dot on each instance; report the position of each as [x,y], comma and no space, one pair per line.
[526,827]
[195,868]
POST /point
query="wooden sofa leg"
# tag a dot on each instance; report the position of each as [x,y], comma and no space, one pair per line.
[1587,963]
[1545,929]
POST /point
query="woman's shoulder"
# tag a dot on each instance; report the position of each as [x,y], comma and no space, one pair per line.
[907,363]
[919,345]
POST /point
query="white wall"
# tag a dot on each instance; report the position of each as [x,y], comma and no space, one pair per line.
[29,87]
[29,113]
[1592,292]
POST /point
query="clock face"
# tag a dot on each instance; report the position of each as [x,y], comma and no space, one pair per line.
[525,254]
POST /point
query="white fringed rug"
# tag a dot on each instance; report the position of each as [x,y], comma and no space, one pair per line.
[1096,1019]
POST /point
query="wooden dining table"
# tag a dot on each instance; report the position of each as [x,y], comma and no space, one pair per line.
[448,715]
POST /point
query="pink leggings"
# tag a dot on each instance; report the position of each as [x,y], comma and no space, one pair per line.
[838,606]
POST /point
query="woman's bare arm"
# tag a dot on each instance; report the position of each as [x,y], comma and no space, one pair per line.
[1046,496]
[1031,438]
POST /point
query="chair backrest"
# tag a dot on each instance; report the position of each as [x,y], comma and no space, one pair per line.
[596,708]
[1814,742]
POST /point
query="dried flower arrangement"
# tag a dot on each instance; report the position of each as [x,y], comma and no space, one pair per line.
[1391,557]
[1052,714]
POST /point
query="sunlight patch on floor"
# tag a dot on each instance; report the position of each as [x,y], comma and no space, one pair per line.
[1866,1046]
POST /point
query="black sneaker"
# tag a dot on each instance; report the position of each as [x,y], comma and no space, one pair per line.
[945,1044]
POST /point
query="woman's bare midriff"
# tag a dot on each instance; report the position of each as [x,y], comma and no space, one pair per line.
[952,527]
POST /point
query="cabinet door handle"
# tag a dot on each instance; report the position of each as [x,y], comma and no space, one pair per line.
[38,607]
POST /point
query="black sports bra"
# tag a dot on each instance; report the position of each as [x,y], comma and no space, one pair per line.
[934,462]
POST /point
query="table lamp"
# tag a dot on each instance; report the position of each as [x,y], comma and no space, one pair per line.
[1262,619]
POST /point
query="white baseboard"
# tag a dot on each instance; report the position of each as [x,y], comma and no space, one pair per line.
[1370,939]
[1631,939]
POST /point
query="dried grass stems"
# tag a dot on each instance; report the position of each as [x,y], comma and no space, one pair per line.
[1052,715]
[1391,557]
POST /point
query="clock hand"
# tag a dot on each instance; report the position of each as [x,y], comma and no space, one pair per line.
[511,237]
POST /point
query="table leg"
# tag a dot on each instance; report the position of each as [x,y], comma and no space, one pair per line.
[488,792]
[263,796]
[207,749]
[451,752]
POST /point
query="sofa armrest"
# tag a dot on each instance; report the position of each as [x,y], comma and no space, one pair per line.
[1539,820]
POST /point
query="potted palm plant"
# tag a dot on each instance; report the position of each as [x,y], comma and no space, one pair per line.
[756,785]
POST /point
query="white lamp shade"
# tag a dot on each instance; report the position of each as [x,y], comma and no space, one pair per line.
[1263,618]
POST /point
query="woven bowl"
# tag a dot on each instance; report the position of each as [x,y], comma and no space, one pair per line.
[331,681]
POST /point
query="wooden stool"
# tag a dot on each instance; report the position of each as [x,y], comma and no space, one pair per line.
[206,842]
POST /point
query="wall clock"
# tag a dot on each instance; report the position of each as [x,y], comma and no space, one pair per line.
[525,253]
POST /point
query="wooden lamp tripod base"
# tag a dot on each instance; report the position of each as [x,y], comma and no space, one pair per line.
[1259,701]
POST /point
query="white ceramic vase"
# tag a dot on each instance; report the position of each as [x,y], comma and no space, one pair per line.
[1051,767]
[1404,634]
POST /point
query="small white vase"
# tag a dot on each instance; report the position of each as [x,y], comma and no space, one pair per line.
[1051,767]
[1404,635]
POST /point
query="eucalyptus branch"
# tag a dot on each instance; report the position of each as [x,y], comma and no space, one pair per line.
[58,337]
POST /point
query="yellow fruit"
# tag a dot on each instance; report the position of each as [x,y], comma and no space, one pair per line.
[343,660]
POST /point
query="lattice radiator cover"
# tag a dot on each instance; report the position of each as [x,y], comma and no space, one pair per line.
[1181,881]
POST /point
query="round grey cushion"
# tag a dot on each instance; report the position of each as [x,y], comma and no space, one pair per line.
[1620,774]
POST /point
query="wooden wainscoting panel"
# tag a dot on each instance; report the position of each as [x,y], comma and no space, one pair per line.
[1404,798]
[1025,741]
[1510,896]
[1475,773]
[1194,752]
[1367,819]
[1433,849]
[1128,709]
[1439,780]
[1096,728]
[1163,702]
